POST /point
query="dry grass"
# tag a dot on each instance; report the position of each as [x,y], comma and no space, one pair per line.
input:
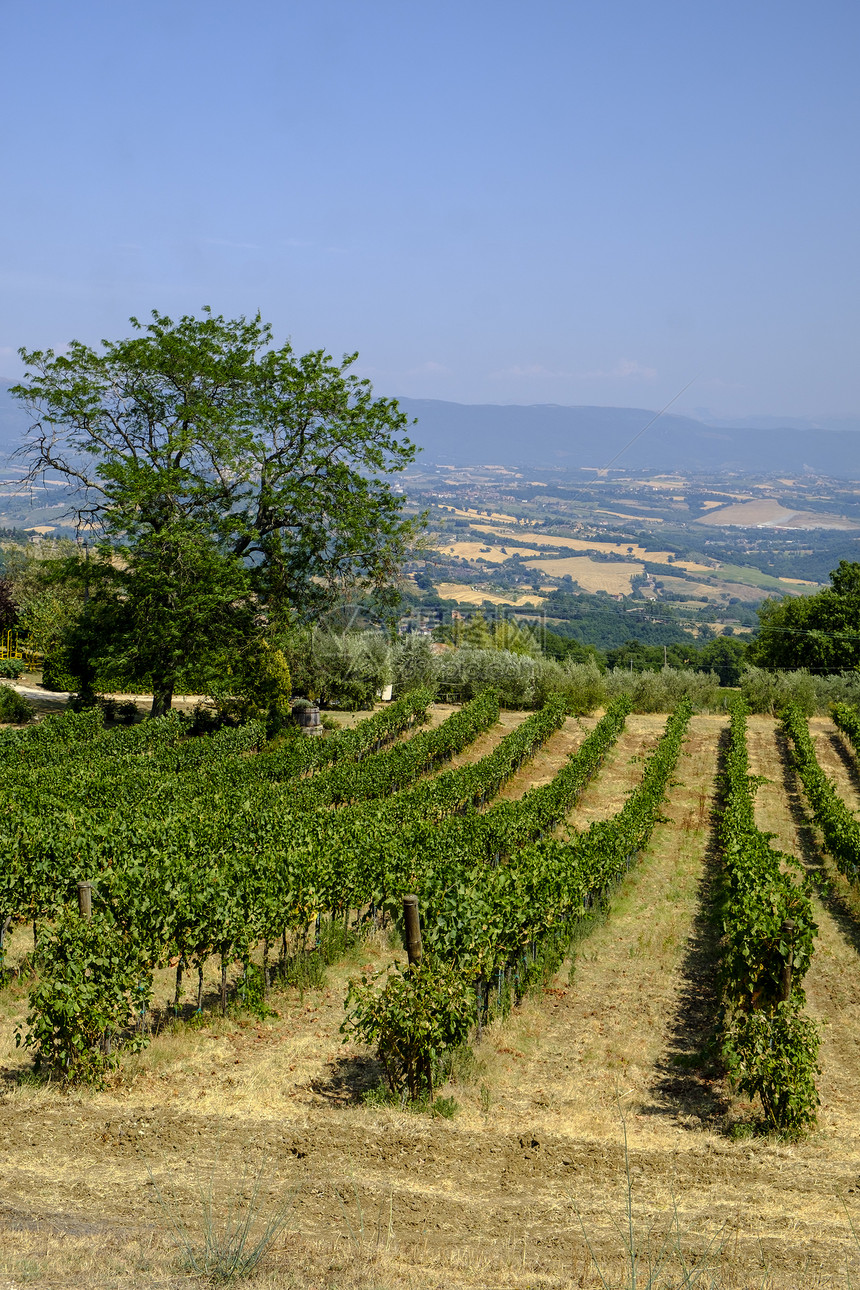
[437,713]
[561,1061]
[491,554]
[610,548]
[831,983]
[592,575]
[465,594]
[625,515]
[546,764]
[470,514]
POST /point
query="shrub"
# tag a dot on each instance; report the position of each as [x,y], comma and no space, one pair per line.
[579,684]
[12,668]
[415,1016]
[55,675]
[92,982]
[769,692]
[14,707]
[256,686]
[775,1054]
[344,669]
[662,691]
[463,673]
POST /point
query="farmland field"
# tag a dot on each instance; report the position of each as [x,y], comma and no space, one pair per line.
[466,594]
[501,1193]
[592,575]
[475,551]
[768,512]
[610,548]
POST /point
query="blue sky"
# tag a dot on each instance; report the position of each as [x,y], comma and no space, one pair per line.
[491,201]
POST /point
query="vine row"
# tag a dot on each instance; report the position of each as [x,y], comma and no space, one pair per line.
[769,1045]
[495,930]
[839,827]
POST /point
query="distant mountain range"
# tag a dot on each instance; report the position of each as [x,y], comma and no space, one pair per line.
[780,423]
[551,435]
[546,435]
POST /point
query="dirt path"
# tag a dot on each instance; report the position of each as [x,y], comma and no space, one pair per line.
[486,742]
[555,753]
[621,771]
[837,759]
[562,1059]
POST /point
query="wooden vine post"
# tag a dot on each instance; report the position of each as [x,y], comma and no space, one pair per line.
[412,924]
[85,900]
[415,952]
[787,932]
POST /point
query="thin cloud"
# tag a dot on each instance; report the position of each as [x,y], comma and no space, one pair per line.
[233,246]
[626,369]
[527,371]
[429,369]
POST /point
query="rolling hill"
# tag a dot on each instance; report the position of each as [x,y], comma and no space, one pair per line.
[551,435]
[546,434]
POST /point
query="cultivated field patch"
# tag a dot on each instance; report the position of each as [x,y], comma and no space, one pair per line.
[491,554]
[769,513]
[592,575]
[466,594]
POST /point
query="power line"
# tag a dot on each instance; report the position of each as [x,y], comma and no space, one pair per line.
[656,417]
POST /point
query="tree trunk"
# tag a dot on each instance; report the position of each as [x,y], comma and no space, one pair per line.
[178,995]
[224,985]
[199,987]
[162,697]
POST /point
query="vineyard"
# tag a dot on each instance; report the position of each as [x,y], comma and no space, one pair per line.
[654,917]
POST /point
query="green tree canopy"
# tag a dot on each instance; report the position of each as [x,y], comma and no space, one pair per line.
[819,632]
[221,474]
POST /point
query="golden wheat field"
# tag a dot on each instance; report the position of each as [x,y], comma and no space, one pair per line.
[465,594]
[592,575]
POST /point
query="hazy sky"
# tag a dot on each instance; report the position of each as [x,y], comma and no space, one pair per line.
[492,201]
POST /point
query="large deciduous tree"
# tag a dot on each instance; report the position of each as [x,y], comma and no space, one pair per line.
[819,632]
[221,475]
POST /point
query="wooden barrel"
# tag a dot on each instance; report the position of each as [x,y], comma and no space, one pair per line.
[309,720]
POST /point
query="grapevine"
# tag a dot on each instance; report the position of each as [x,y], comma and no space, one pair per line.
[769,1045]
